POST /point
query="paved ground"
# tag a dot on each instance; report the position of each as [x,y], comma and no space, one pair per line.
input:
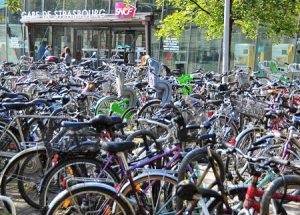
[22,207]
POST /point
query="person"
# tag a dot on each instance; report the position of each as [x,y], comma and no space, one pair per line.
[130,56]
[68,56]
[48,52]
[78,56]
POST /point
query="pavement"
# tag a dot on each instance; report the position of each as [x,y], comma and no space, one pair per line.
[21,206]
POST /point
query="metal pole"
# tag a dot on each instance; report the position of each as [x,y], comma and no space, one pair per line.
[6,34]
[226,41]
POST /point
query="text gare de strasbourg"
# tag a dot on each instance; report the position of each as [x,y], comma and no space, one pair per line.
[65,14]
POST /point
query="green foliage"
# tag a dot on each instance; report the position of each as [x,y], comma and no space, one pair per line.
[277,17]
[14,5]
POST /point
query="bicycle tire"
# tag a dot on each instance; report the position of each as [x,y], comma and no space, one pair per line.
[103,104]
[44,188]
[273,188]
[232,124]
[12,144]
[193,155]
[34,183]
[90,187]
[6,176]
[152,103]
[145,179]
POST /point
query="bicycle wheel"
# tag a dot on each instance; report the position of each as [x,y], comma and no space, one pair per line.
[91,102]
[9,146]
[103,105]
[243,141]
[289,185]
[9,178]
[31,172]
[156,191]
[149,108]
[90,198]
[224,128]
[130,118]
[196,165]
[56,178]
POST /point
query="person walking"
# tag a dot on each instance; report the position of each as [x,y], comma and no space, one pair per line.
[68,56]
[48,52]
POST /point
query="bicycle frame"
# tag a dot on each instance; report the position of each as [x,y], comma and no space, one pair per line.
[253,192]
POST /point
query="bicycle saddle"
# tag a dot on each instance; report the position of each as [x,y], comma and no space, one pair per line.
[9,74]
[18,105]
[100,122]
[114,147]
[106,121]
[13,95]
[13,100]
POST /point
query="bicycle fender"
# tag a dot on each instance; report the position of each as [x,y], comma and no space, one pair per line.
[21,155]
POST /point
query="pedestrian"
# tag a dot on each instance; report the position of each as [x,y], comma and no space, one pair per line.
[78,56]
[48,52]
[68,56]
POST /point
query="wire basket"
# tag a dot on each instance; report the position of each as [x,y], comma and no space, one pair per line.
[244,79]
[41,74]
[250,107]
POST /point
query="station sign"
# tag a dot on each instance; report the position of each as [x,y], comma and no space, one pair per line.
[124,10]
[65,14]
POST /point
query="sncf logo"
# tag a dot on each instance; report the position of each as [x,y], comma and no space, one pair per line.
[124,10]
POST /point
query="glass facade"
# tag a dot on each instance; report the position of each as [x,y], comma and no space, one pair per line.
[188,53]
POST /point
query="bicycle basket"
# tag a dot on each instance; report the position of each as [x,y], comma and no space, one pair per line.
[243,79]
[41,74]
[250,107]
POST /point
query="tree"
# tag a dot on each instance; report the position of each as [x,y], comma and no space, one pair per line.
[13,5]
[277,17]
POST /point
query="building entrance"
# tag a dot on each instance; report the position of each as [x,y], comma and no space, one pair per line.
[124,39]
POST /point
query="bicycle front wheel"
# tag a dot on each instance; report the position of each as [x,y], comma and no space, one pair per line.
[90,198]
[288,186]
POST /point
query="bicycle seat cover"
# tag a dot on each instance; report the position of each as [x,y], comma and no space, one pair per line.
[114,147]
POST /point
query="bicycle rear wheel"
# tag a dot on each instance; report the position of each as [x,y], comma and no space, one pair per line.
[90,198]
[56,178]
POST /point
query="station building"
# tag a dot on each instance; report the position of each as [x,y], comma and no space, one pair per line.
[111,28]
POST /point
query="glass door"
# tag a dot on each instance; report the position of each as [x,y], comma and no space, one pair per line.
[88,41]
[128,45]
